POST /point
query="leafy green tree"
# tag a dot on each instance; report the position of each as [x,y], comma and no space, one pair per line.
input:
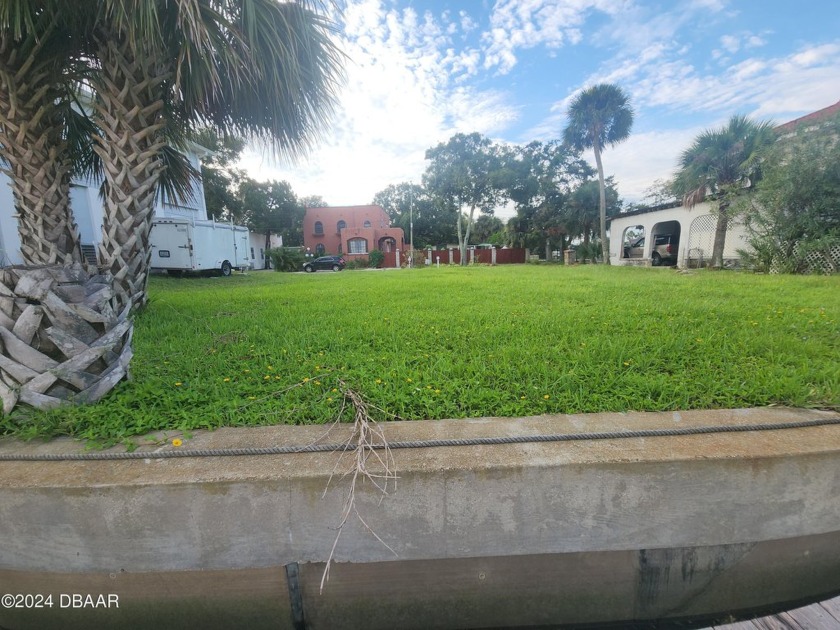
[795,211]
[434,224]
[219,177]
[584,207]
[465,173]
[487,226]
[599,116]
[539,178]
[272,208]
[723,162]
[313,201]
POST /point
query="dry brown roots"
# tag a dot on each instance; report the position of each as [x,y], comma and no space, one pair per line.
[370,461]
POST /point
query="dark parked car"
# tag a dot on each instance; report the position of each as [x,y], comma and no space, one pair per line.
[336,263]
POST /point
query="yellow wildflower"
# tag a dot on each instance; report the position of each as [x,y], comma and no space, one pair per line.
[176,442]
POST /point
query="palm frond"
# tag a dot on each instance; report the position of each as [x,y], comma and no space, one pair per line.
[295,70]
[600,115]
[79,133]
[177,177]
[723,157]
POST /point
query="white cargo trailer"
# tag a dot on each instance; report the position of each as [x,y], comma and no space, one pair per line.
[180,245]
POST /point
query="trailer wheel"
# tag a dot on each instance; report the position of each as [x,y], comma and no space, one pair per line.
[226,269]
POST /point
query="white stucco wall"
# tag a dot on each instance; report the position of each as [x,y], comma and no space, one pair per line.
[696,229]
[257,242]
[88,212]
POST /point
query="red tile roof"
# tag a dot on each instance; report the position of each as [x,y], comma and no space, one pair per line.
[813,117]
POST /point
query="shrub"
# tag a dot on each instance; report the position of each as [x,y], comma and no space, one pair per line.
[376,258]
[286,258]
[588,252]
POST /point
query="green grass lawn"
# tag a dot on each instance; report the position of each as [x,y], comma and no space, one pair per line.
[270,348]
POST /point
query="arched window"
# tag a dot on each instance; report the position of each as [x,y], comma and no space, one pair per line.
[357,246]
[319,227]
[367,224]
[319,249]
[341,225]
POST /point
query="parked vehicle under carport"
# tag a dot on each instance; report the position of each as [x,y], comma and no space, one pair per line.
[665,248]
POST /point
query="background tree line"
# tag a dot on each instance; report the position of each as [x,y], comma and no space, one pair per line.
[548,185]
[468,178]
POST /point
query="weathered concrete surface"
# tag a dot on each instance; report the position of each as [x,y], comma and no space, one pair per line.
[643,528]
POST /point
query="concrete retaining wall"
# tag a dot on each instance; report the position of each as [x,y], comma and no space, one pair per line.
[539,533]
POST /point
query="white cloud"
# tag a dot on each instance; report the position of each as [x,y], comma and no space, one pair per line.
[522,24]
[730,43]
[405,92]
[645,157]
[413,81]
[754,41]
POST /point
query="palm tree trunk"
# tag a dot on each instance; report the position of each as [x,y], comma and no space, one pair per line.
[34,158]
[128,107]
[605,248]
[720,235]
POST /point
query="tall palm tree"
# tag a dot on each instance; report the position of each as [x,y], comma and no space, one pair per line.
[256,68]
[40,130]
[722,162]
[599,116]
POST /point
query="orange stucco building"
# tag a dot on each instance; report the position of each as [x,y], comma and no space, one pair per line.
[352,231]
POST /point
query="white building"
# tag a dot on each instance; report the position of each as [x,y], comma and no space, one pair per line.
[694,229]
[258,254]
[88,212]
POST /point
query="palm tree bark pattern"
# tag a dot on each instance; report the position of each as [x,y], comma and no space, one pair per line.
[33,158]
[128,107]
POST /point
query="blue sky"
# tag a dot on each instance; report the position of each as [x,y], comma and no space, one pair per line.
[420,71]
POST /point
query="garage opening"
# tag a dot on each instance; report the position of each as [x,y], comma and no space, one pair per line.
[633,241]
[665,245]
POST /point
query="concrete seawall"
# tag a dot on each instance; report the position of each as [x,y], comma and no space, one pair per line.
[613,530]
